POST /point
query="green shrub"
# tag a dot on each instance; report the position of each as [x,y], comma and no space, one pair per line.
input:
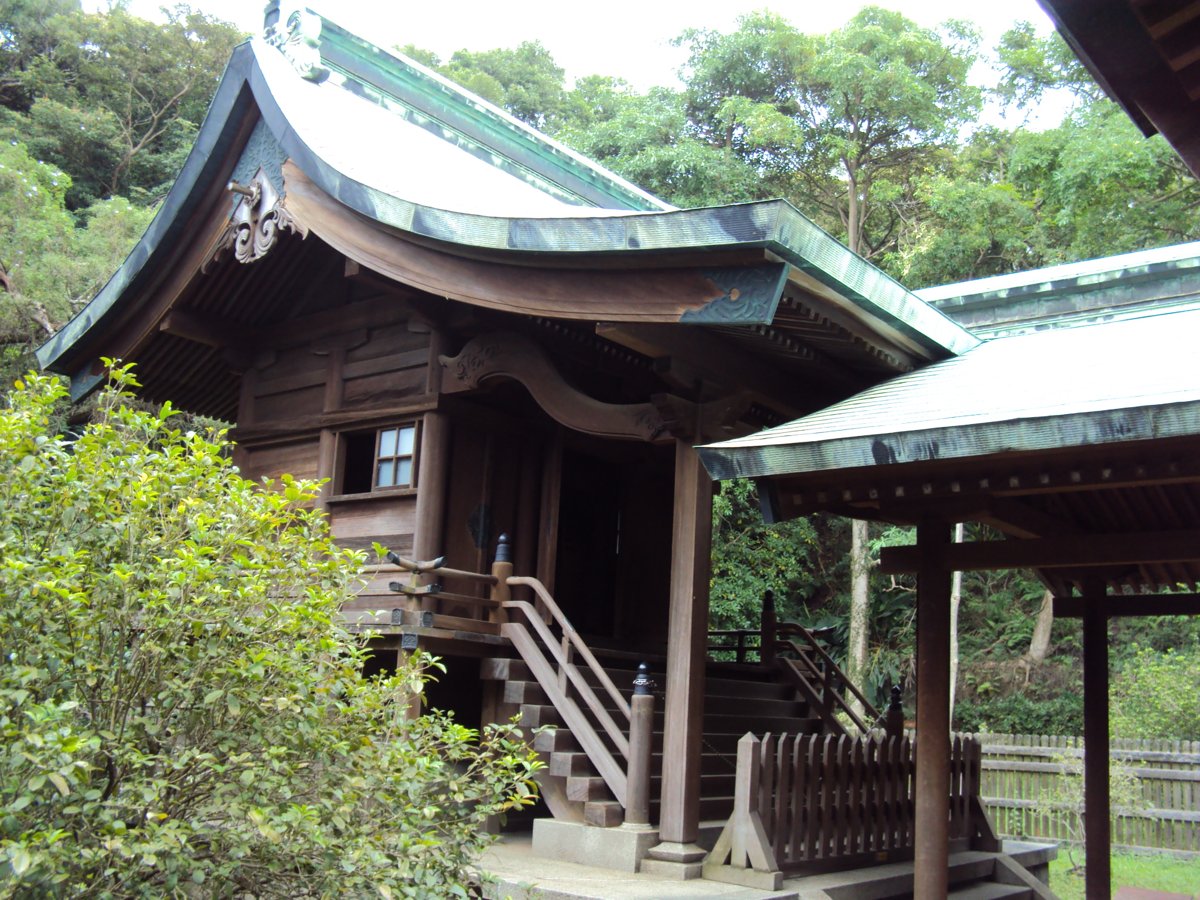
[1154,695]
[182,715]
[1019,714]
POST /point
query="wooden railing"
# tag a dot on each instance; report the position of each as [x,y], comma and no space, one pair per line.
[821,681]
[617,743]
[813,803]
[797,652]
[550,658]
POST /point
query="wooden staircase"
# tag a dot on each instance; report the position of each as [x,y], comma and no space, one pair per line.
[737,699]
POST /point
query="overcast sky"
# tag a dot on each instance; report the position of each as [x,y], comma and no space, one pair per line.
[625,38]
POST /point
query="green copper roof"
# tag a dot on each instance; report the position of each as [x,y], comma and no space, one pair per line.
[1123,381]
[406,149]
[1095,290]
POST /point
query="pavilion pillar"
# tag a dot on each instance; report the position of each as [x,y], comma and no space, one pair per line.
[679,818]
[1097,827]
[932,782]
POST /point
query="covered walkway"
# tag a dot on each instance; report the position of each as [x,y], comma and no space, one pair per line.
[1080,446]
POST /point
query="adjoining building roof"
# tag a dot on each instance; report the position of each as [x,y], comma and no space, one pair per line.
[1147,282]
[1125,381]
[380,143]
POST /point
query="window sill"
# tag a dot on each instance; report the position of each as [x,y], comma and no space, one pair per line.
[381,494]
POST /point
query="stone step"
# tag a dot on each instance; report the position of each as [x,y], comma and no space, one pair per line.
[989,890]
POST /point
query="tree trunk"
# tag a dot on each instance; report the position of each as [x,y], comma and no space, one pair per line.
[955,600]
[860,607]
[1039,644]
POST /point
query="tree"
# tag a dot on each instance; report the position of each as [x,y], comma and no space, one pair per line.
[111,99]
[865,108]
[54,263]
[181,712]
[645,138]
[524,81]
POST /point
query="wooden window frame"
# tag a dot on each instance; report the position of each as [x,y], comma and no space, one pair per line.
[343,461]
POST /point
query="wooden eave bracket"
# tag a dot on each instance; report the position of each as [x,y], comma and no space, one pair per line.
[509,355]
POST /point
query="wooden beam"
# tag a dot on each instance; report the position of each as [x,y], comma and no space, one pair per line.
[679,818]
[931,825]
[1131,605]
[726,365]
[1097,837]
[1065,551]
[507,355]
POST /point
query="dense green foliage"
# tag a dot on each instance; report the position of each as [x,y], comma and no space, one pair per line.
[1155,694]
[180,710]
[872,131]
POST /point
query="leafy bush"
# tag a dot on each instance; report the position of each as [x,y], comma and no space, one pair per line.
[1154,695]
[181,713]
[1020,714]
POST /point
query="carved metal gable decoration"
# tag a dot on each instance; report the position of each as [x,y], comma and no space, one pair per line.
[300,42]
[256,221]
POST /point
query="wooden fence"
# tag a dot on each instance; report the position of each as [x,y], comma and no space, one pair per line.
[811,803]
[1031,787]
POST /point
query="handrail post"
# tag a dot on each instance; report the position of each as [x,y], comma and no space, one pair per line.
[769,626]
[894,723]
[502,569]
[641,733]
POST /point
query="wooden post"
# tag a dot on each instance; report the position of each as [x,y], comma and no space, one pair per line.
[679,822]
[1097,837]
[641,734]
[932,783]
[893,725]
[502,569]
[768,627]
[433,462]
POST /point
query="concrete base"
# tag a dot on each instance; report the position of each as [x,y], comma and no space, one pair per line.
[673,860]
[622,848]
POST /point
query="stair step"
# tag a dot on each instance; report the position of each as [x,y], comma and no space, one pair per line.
[587,788]
[555,739]
[989,890]
[603,813]
[521,692]
[533,716]
[761,724]
[499,669]
[564,764]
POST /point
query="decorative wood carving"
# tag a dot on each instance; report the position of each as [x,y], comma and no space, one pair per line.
[506,355]
[256,222]
[300,43]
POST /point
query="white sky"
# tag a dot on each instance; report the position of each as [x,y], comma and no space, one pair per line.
[625,38]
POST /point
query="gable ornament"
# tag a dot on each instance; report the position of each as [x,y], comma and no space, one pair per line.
[256,222]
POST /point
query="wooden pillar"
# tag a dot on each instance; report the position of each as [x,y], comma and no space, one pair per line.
[1097,838]
[434,461]
[932,785]
[679,819]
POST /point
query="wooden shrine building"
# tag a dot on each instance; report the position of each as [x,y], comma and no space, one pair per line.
[471,331]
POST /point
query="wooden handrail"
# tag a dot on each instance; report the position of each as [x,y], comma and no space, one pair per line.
[576,641]
[577,680]
[791,628]
[610,770]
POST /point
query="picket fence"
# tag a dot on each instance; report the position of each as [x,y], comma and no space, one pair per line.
[1028,782]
